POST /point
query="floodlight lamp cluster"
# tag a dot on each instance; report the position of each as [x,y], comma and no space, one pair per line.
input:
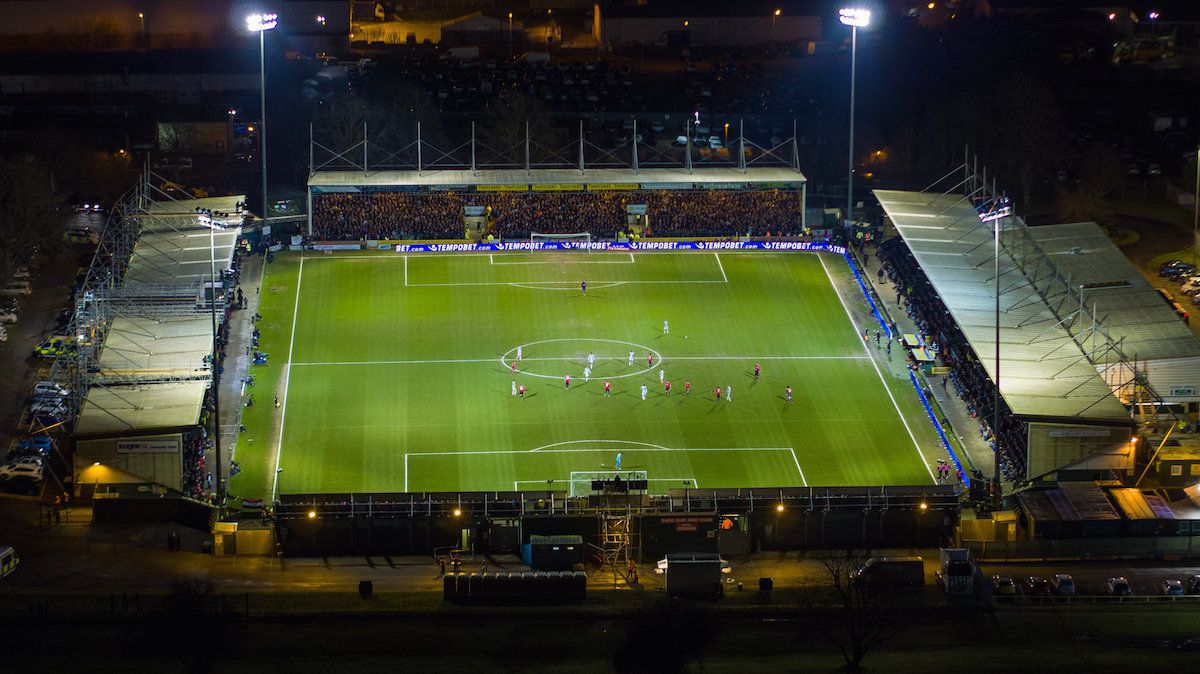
[257,23]
[855,17]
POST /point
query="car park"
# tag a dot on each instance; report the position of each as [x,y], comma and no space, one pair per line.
[1172,588]
[1003,586]
[1064,585]
[1118,587]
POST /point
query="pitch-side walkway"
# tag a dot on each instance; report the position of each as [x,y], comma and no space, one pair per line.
[962,425]
[237,361]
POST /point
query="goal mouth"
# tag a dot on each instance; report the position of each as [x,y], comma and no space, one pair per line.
[584,483]
[573,241]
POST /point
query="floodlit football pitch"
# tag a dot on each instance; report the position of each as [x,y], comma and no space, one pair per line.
[394,373]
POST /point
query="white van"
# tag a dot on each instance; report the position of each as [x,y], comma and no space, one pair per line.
[8,560]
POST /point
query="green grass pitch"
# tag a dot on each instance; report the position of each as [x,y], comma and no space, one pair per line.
[399,377]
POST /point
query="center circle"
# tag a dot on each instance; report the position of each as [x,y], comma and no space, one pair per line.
[532,357]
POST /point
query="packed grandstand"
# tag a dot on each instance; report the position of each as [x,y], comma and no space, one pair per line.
[670,213]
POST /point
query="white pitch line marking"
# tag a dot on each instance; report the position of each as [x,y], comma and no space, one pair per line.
[453,361]
[721,267]
[911,435]
[287,376]
[405,271]
[600,449]
[551,283]
[798,468]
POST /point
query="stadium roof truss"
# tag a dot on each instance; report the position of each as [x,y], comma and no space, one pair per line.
[528,152]
[1050,349]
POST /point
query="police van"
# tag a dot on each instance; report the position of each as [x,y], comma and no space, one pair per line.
[8,560]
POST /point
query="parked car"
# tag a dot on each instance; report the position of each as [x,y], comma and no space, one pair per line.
[1174,267]
[1064,584]
[1118,587]
[1003,586]
[14,288]
[1037,586]
[24,469]
[82,235]
[8,312]
[1193,584]
[1172,588]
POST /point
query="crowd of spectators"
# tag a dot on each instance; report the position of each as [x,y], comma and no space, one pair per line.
[197,481]
[670,213]
[970,379]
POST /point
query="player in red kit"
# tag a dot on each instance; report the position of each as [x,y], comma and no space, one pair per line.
[687,388]
[514,367]
[757,371]
[521,391]
[567,381]
[607,389]
[718,392]
[788,391]
[667,387]
[649,360]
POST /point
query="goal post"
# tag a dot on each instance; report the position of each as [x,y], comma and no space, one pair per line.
[581,481]
[579,240]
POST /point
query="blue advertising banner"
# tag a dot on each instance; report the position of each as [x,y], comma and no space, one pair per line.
[613,246]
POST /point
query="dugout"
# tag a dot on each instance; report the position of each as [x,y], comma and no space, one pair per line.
[553,553]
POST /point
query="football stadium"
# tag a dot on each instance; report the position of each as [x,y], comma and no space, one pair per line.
[646,357]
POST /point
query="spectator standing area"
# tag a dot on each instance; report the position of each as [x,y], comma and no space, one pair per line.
[395,373]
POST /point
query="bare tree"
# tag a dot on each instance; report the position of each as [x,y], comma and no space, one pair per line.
[853,617]
[27,209]
[506,127]
[1028,132]
[1100,176]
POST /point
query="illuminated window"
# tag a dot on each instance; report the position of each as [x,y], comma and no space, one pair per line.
[1177,470]
[1194,469]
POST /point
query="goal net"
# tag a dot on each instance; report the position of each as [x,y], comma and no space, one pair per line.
[582,481]
[581,240]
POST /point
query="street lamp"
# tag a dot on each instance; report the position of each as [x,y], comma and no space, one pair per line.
[774,15]
[855,18]
[726,134]
[261,23]
[142,21]
[510,35]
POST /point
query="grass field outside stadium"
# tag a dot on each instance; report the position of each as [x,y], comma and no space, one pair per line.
[393,374]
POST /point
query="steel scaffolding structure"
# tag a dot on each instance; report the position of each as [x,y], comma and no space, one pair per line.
[112,289]
[531,153]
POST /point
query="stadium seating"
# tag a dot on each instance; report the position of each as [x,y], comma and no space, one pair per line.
[971,381]
[672,213]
